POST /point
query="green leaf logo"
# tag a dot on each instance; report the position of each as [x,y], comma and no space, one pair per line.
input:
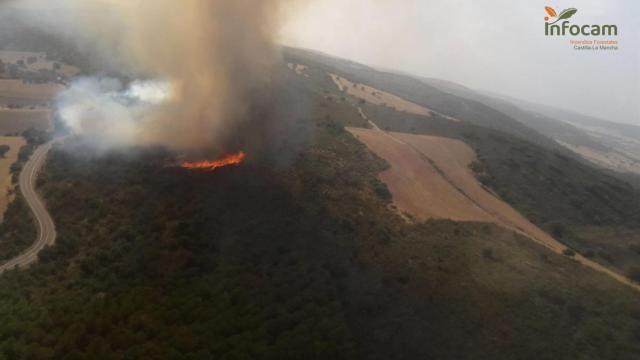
[566,14]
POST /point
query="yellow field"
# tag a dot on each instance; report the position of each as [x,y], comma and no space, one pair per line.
[430,178]
[5,164]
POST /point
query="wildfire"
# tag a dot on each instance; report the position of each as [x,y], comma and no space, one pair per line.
[211,165]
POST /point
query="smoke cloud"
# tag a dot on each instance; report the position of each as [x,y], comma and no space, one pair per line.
[107,112]
[200,65]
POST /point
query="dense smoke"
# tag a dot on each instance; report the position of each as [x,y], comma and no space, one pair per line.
[110,113]
[200,63]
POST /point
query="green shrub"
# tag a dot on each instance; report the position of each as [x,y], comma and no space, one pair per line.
[634,273]
[605,256]
[589,254]
[3,150]
[557,230]
[489,254]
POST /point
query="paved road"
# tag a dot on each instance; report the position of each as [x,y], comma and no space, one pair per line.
[46,228]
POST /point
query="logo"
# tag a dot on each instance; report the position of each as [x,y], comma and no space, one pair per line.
[566,28]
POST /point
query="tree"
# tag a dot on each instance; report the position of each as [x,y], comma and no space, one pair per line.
[3,150]
[557,230]
[634,273]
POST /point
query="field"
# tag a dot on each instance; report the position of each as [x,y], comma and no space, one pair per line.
[15,121]
[16,92]
[378,97]
[24,106]
[431,178]
[15,144]
[609,159]
[41,63]
[416,184]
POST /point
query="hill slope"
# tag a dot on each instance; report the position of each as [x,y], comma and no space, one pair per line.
[607,144]
[550,185]
[295,259]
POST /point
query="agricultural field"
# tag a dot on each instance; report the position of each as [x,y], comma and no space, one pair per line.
[24,106]
[378,97]
[35,61]
[15,121]
[28,83]
[17,93]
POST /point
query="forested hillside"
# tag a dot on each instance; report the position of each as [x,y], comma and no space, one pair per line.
[591,210]
[302,260]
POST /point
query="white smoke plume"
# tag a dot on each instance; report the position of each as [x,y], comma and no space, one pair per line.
[108,112]
[213,56]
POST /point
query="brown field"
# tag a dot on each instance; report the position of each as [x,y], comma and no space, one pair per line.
[5,164]
[9,56]
[15,121]
[610,160]
[15,92]
[379,97]
[416,184]
[430,178]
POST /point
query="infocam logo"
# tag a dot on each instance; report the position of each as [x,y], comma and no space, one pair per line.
[566,28]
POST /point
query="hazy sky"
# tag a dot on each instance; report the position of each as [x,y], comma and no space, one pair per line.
[495,45]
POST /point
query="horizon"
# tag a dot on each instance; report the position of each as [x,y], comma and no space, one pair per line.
[486,92]
[511,56]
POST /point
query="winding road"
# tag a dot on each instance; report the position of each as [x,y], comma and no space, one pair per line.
[46,228]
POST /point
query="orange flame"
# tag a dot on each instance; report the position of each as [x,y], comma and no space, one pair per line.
[233,159]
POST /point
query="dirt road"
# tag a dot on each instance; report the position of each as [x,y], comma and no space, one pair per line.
[46,228]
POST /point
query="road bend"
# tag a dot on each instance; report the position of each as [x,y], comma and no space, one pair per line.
[46,227]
